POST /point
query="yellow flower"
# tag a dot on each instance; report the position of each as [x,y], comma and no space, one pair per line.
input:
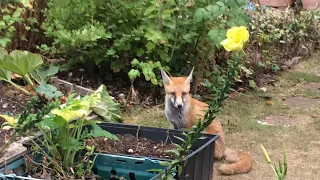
[236,36]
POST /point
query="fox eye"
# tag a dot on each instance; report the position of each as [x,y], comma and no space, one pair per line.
[173,93]
[184,93]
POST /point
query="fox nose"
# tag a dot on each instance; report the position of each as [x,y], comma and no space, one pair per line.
[179,105]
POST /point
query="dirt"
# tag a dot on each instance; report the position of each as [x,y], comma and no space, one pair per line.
[118,87]
[132,145]
[311,86]
[11,100]
[317,72]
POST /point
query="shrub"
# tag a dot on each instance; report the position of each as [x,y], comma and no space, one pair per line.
[143,35]
[277,36]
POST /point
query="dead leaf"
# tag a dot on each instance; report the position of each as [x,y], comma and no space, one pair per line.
[270,103]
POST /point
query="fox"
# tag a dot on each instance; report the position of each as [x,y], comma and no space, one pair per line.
[183,112]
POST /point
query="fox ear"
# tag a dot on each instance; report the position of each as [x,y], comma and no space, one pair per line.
[166,79]
[189,78]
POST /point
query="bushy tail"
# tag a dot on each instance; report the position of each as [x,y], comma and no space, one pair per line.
[239,162]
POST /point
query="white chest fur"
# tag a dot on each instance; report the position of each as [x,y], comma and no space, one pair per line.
[175,115]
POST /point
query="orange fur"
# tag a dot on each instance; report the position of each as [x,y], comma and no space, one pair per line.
[238,162]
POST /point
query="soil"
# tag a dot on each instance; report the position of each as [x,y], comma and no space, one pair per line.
[118,87]
[132,145]
[11,100]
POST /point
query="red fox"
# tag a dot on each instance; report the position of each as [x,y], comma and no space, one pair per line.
[183,111]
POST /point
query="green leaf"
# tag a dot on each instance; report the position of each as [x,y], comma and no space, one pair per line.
[150,46]
[182,140]
[97,131]
[111,52]
[104,105]
[5,74]
[42,74]
[135,62]
[252,84]
[154,81]
[217,35]
[221,4]
[215,11]
[4,42]
[21,62]
[164,163]
[200,15]
[179,169]
[189,37]
[154,35]
[133,74]
[49,91]
[170,177]
[73,144]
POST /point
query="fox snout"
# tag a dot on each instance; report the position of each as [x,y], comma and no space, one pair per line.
[178,102]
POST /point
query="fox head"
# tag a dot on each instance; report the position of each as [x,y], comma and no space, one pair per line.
[177,88]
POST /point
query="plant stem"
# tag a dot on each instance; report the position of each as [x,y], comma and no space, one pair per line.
[29,81]
[17,86]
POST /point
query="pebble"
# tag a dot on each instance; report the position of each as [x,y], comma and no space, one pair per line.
[130,151]
[262,123]
[5,105]
[121,96]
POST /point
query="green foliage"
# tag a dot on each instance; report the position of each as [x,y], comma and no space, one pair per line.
[97,131]
[147,70]
[104,106]
[48,91]
[281,35]
[149,34]
[10,16]
[21,62]
[42,74]
[28,65]
[62,128]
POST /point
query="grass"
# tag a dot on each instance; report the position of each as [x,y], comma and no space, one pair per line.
[240,114]
[146,117]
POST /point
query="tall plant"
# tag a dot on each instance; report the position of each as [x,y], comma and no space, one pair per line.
[64,142]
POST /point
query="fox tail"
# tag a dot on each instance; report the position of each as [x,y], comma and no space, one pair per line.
[239,162]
